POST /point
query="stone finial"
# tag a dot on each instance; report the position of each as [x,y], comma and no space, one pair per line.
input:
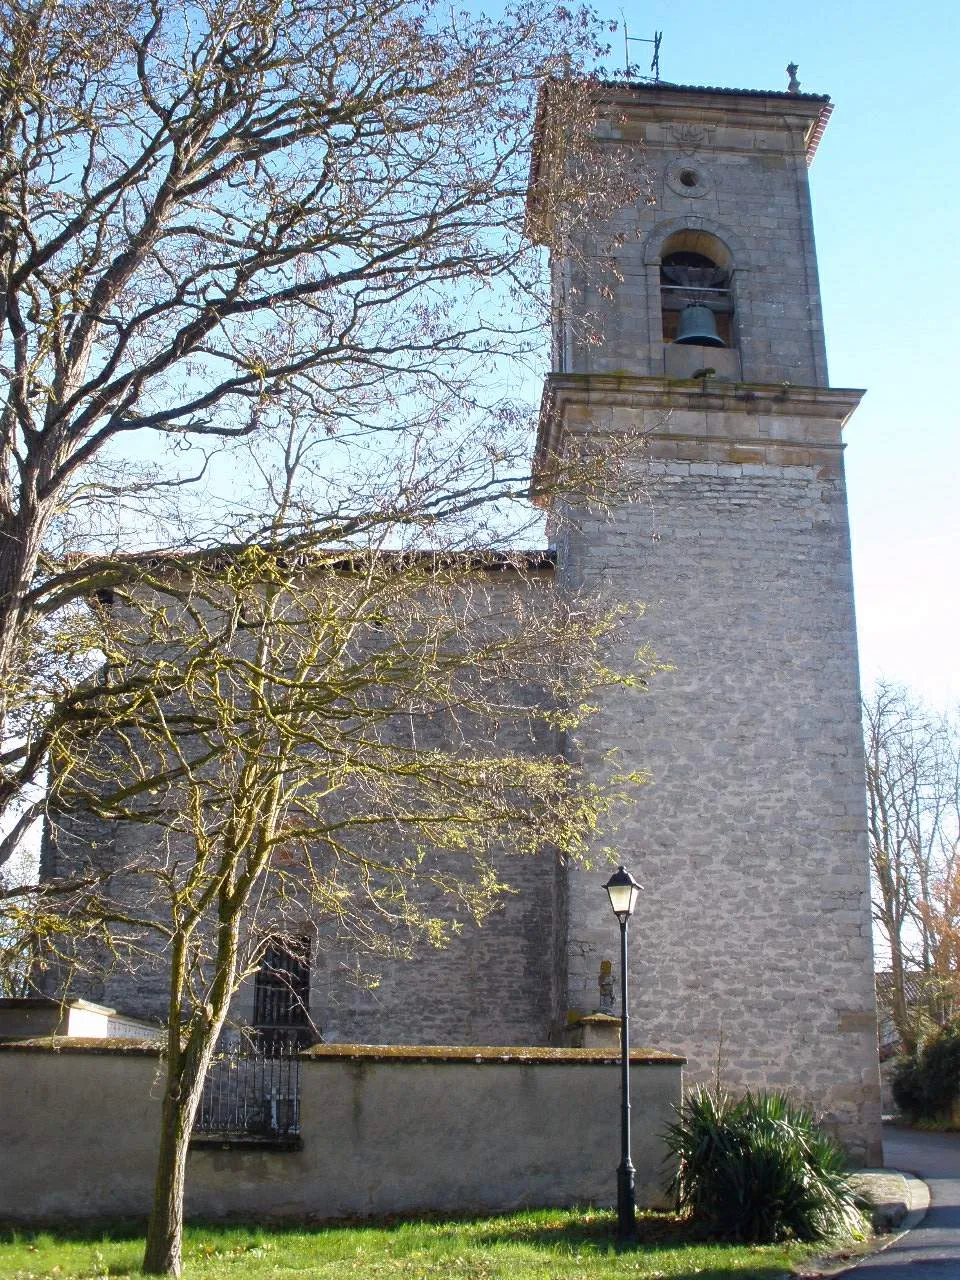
[605,982]
[794,84]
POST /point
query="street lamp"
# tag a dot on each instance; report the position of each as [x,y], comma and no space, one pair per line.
[624,892]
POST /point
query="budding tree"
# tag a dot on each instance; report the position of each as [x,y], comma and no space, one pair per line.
[322,743]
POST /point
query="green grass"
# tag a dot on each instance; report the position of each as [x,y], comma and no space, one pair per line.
[542,1245]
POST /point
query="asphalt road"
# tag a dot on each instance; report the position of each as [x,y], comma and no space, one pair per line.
[933,1248]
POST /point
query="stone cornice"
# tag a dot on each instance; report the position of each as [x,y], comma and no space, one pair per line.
[595,404]
[741,108]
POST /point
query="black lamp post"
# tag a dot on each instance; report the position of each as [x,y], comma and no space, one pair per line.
[624,891]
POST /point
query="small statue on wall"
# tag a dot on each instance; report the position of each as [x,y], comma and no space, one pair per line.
[605,982]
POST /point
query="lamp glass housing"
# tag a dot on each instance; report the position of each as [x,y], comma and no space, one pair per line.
[623,891]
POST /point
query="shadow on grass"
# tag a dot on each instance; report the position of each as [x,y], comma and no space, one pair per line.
[593,1229]
[97,1231]
[589,1233]
[596,1230]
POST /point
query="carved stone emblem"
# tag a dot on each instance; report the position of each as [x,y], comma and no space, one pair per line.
[690,137]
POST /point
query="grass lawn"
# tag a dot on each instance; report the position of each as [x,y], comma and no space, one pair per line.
[542,1245]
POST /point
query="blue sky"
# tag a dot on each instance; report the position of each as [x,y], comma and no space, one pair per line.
[886,196]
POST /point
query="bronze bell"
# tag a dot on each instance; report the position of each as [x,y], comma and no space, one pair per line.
[698,328]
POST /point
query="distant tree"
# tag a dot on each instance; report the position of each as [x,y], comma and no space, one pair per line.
[940,917]
[913,806]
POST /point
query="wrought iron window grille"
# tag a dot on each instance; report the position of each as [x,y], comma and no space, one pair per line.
[251,1096]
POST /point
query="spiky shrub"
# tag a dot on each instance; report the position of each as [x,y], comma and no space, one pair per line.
[759,1170]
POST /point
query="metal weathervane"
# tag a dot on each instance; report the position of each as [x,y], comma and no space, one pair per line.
[628,40]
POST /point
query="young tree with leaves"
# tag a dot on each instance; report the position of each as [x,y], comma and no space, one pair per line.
[319,741]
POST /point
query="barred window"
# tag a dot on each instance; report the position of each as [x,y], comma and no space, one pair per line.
[281,993]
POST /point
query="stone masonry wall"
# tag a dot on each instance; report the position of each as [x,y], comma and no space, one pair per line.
[498,982]
[495,983]
[751,946]
[748,157]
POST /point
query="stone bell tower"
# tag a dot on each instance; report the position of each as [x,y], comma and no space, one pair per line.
[751,947]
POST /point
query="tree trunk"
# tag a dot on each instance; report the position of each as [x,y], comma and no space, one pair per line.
[187,1064]
[164,1251]
[21,537]
[163,1255]
[903,1019]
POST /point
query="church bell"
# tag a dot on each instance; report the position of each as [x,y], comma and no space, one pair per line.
[698,328]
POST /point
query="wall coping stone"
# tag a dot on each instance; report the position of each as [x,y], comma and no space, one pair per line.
[127,1047]
[513,1054]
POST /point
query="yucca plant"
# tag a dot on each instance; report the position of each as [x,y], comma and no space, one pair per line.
[759,1170]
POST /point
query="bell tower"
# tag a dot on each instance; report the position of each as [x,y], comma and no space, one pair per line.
[751,946]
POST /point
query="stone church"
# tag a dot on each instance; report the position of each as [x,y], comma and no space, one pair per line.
[751,948]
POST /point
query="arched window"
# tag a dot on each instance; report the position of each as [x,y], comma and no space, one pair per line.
[695,294]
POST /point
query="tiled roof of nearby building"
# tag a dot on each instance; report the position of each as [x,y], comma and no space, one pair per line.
[916,987]
[108,573]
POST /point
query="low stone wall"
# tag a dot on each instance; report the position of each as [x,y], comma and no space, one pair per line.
[383,1130]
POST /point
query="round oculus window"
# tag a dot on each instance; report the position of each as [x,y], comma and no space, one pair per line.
[686,177]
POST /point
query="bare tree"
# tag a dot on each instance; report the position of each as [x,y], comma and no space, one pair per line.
[939,905]
[913,804]
[216,218]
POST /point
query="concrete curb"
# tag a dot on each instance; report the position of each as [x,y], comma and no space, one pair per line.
[895,1196]
[919,1203]
[901,1202]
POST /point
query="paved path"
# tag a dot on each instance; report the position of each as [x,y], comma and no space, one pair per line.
[932,1250]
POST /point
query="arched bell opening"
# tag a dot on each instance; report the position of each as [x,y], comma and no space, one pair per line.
[697,311]
[696,300]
